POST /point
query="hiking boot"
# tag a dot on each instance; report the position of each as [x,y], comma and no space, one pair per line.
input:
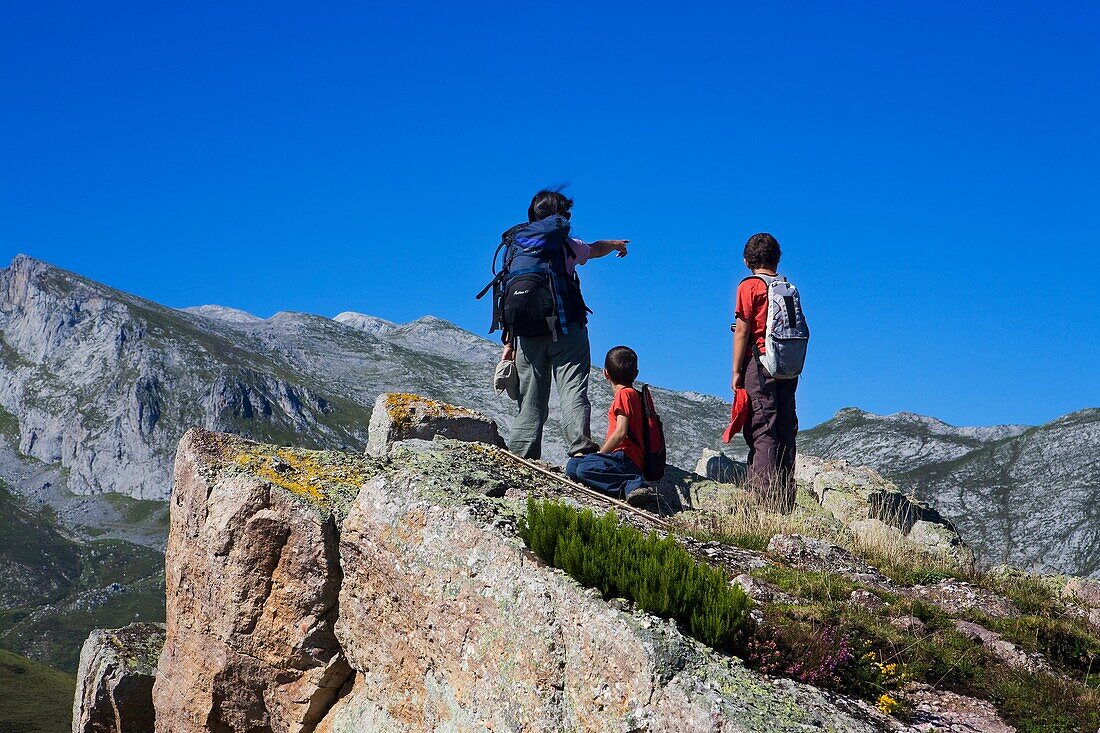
[643,497]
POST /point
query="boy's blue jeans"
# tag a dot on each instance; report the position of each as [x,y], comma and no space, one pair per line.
[611,473]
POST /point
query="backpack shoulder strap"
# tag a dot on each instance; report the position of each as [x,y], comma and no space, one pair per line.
[643,394]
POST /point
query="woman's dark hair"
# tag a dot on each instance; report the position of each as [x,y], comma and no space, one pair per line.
[547,203]
[621,364]
[762,251]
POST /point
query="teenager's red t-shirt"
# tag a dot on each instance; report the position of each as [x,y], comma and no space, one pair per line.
[752,308]
[627,402]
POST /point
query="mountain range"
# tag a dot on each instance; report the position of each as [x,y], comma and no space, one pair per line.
[1026,496]
[97,386]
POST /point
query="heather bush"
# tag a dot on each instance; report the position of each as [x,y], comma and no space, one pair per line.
[656,573]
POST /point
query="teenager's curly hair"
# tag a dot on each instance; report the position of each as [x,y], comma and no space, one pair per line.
[762,251]
[621,364]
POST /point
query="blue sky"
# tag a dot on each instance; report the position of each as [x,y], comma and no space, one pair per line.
[931,172]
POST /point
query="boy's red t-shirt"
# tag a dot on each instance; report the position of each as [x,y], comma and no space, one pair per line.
[627,402]
[752,308]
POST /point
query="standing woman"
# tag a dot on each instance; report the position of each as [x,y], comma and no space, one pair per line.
[555,348]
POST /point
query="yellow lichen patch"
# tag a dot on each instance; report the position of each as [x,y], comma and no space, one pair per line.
[317,476]
[403,406]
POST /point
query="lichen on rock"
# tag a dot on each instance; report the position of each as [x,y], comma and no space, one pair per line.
[400,416]
[416,607]
[114,690]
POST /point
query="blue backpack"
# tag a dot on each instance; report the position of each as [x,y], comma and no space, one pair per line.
[533,292]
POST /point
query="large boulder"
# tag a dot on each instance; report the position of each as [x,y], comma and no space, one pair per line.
[452,625]
[397,417]
[114,682]
[337,593]
[252,579]
[717,466]
[1083,591]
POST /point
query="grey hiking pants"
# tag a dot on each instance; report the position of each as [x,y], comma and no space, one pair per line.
[568,362]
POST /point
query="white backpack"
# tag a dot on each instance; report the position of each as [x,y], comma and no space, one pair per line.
[787,334]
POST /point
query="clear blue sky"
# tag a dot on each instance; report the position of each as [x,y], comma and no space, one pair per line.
[932,172]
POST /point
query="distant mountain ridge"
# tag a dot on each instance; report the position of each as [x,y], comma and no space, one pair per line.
[103,384]
[1028,496]
[98,385]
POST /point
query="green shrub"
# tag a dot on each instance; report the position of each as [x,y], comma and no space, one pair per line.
[657,574]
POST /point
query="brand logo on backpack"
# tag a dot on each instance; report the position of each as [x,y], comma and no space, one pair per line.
[533,293]
[787,333]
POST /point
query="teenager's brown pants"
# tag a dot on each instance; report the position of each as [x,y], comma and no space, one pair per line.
[770,431]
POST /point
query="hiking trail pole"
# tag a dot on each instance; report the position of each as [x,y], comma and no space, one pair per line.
[576,486]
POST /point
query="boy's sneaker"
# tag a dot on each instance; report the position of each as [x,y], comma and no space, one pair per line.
[643,497]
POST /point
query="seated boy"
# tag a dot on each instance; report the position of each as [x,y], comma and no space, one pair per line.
[771,424]
[616,469]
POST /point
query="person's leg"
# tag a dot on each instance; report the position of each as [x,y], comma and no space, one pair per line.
[533,370]
[611,473]
[760,429]
[571,467]
[571,356]
[786,431]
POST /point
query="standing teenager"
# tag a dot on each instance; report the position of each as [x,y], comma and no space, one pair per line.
[769,350]
[546,333]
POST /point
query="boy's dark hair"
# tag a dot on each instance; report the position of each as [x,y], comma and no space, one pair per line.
[621,364]
[547,203]
[762,251]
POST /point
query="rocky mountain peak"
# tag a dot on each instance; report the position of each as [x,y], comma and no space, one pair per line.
[223,313]
[362,322]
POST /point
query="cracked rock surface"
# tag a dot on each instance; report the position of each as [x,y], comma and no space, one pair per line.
[332,592]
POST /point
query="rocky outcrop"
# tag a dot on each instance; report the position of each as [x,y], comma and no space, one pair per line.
[717,466]
[322,591]
[397,417]
[870,505]
[114,685]
[1022,495]
[252,581]
[451,624]
[867,506]
[1002,648]
[936,711]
